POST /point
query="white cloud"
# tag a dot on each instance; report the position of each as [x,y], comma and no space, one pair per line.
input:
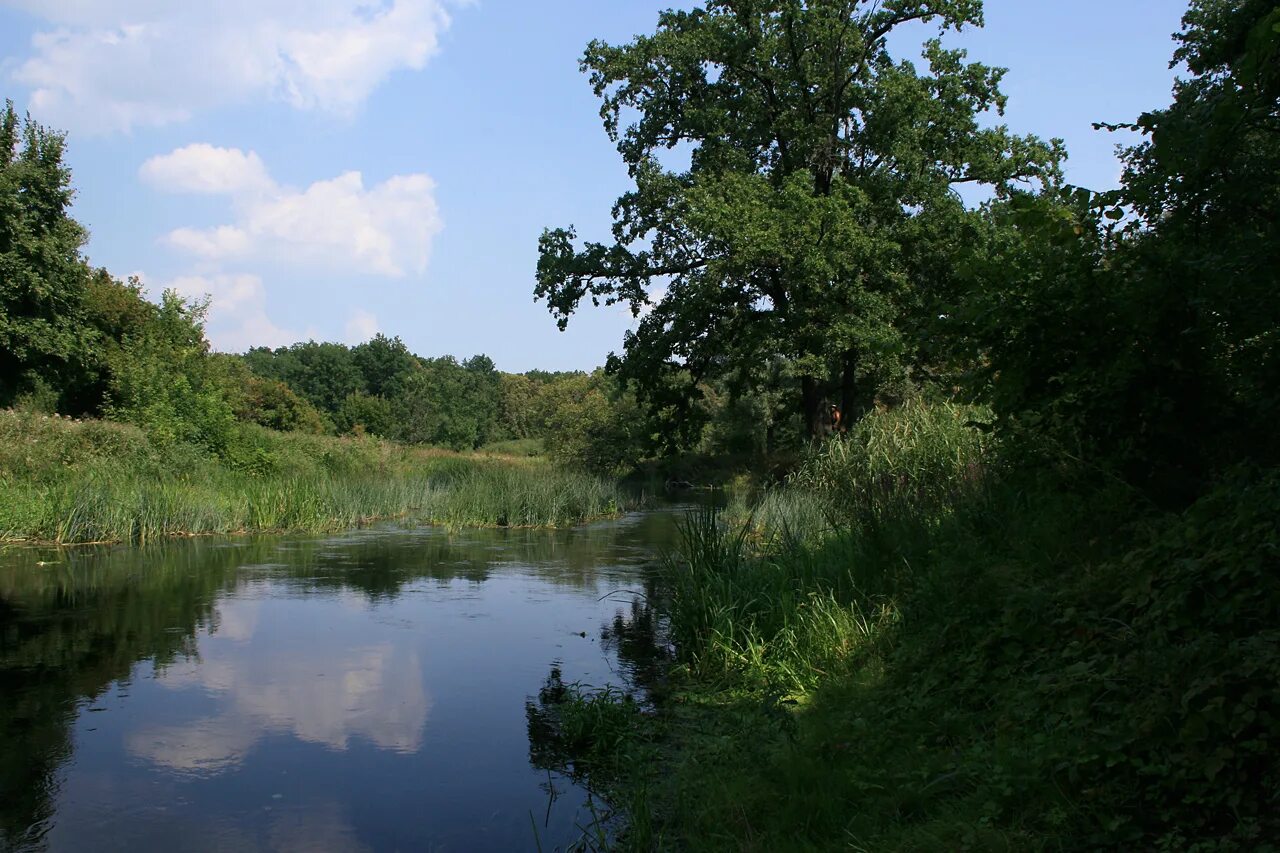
[237,311]
[361,327]
[376,693]
[225,241]
[202,168]
[115,66]
[338,224]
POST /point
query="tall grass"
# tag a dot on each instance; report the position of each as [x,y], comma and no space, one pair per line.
[781,593]
[779,619]
[910,647]
[918,457]
[94,481]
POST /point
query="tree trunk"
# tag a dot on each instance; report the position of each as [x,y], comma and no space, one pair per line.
[811,403]
[854,403]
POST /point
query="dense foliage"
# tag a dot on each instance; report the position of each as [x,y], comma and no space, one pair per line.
[41,274]
[1138,328]
[1036,604]
[819,192]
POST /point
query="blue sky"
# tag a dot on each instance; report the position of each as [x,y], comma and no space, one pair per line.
[331,168]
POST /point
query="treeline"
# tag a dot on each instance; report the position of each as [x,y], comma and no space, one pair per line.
[816,247]
[590,419]
[78,342]
[380,388]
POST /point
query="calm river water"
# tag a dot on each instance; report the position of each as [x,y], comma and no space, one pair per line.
[357,692]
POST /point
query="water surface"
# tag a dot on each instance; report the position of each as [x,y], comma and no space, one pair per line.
[358,692]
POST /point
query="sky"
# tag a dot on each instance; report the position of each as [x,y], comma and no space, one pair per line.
[330,169]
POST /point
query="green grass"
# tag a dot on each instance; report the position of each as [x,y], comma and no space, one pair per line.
[515,447]
[70,481]
[922,650]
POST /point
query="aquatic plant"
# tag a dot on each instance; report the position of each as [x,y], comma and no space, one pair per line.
[72,481]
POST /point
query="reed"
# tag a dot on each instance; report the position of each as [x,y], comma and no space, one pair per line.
[908,647]
[779,592]
[67,481]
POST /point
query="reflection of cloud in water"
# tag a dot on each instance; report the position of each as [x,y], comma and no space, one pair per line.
[354,601]
[237,619]
[374,692]
[207,746]
[314,831]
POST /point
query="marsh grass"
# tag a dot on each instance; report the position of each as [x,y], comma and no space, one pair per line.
[919,457]
[70,481]
[911,647]
[777,620]
[783,592]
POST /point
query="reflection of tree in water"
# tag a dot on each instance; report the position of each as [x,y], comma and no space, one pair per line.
[547,749]
[69,630]
[639,639]
[381,563]
[575,729]
[72,628]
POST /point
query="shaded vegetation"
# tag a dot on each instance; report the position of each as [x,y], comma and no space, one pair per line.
[1031,600]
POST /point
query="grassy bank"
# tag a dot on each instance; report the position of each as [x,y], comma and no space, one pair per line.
[95,481]
[911,647]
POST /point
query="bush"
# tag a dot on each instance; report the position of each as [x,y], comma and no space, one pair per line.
[162,380]
[272,404]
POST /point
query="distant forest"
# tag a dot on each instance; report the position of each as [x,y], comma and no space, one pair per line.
[79,342]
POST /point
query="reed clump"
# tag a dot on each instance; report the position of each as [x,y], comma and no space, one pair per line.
[921,642]
[68,481]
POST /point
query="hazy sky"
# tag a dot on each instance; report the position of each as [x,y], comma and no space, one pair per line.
[332,168]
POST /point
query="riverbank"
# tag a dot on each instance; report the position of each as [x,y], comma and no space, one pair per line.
[76,481]
[916,646]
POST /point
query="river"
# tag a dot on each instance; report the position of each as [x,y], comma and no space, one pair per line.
[365,691]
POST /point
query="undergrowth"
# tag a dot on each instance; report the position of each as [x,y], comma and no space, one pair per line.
[910,646]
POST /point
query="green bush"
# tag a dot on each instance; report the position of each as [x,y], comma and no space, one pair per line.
[163,381]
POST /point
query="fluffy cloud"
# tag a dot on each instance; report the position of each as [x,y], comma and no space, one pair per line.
[115,66]
[224,241]
[237,311]
[340,224]
[202,168]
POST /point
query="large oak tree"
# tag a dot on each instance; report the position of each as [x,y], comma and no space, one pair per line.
[820,187]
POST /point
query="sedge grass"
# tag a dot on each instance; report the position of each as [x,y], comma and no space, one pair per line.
[909,647]
[68,481]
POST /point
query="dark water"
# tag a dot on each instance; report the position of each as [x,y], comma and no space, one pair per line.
[359,692]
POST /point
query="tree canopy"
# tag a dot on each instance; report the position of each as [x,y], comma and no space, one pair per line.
[822,176]
[41,272]
[1137,328]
